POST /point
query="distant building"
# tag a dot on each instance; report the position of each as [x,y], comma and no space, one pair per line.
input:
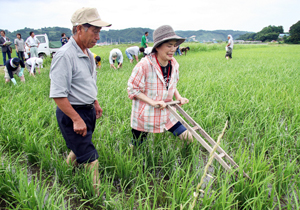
[280,36]
[192,38]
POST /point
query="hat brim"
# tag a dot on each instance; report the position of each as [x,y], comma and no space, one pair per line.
[179,40]
[100,23]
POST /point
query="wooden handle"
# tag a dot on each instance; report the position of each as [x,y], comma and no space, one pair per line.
[169,103]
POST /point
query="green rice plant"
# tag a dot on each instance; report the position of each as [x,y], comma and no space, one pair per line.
[37,194]
[257,89]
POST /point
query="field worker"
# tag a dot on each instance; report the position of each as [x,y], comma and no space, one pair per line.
[115,54]
[97,61]
[229,47]
[63,39]
[134,51]
[153,82]
[32,63]
[144,41]
[20,46]
[33,43]
[178,51]
[5,48]
[73,88]
[12,66]
[148,50]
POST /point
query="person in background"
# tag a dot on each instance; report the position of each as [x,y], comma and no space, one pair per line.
[14,66]
[134,51]
[20,46]
[229,47]
[147,51]
[32,63]
[178,51]
[63,39]
[97,61]
[115,54]
[5,47]
[33,43]
[73,88]
[152,83]
[144,41]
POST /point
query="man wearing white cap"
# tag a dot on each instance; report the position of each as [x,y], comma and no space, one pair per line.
[115,55]
[73,87]
[32,63]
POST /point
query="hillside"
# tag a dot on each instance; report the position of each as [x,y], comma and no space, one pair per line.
[128,35]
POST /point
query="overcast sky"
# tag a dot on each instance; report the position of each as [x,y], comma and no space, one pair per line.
[180,14]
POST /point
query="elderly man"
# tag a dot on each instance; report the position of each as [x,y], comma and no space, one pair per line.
[33,43]
[73,87]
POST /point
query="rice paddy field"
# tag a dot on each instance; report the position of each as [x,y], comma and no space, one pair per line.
[258,90]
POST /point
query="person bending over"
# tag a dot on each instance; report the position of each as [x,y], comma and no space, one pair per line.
[14,66]
[115,55]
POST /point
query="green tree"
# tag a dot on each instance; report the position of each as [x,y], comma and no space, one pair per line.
[269,33]
[295,33]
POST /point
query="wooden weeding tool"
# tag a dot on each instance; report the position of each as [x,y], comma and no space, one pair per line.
[220,155]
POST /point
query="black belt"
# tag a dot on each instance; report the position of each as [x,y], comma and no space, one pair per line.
[85,106]
[33,46]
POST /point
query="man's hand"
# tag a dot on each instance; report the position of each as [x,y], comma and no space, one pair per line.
[98,110]
[79,127]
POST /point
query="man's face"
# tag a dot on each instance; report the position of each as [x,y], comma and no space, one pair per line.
[32,35]
[2,34]
[146,34]
[18,36]
[90,37]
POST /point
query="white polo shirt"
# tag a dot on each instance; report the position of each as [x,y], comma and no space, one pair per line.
[32,42]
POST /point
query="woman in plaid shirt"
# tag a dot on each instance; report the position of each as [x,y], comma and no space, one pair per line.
[153,82]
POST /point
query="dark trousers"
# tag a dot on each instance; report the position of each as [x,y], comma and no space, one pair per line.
[82,146]
[20,55]
[4,56]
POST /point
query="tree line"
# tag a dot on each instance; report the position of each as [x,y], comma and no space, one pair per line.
[270,33]
[127,35]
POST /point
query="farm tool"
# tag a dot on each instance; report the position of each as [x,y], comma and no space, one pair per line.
[220,155]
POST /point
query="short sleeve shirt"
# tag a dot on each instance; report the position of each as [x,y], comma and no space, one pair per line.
[20,44]
[32,42]
[133,50]
[73,75]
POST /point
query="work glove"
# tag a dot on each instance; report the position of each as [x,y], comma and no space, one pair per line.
[14,81]
[21,72]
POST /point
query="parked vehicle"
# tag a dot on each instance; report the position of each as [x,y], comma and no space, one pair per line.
[46,48]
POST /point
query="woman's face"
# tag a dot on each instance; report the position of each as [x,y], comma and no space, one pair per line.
[18,36]
[166,51]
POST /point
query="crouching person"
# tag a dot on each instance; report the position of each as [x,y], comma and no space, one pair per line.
[153,82]
[74,90]
[14,66]
[33,63]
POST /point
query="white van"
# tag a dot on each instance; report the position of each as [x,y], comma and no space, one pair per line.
[43,49]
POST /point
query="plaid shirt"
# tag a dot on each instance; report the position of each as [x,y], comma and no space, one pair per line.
[147,78]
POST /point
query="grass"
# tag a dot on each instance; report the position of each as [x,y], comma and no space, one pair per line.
[257,89]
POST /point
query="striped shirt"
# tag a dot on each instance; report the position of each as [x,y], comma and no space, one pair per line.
[147,78]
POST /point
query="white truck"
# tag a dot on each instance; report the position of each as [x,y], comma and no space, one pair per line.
[44,48]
